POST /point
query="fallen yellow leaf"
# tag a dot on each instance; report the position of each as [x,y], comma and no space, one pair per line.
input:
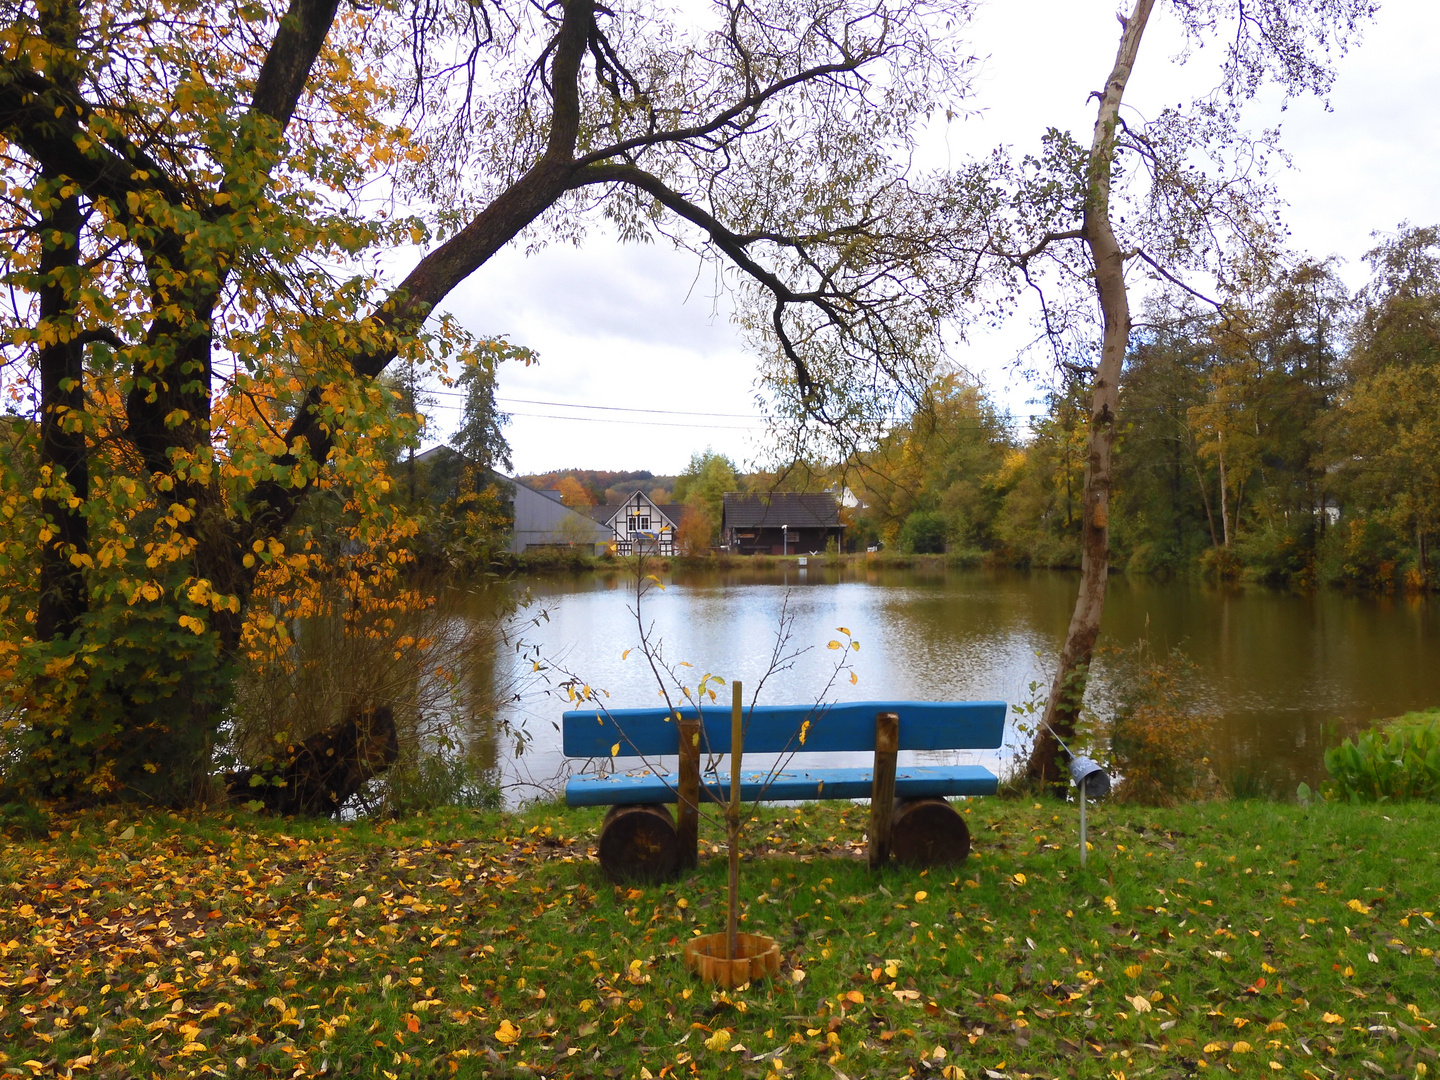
[507,1032]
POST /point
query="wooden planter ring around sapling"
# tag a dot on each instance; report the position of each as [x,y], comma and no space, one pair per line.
[757,957]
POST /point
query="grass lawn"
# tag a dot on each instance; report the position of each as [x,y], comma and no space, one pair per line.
[1233,937]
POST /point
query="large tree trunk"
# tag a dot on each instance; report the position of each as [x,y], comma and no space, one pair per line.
[1224,488]
[1066,692]
[64,596]
[63,593]
[317,777]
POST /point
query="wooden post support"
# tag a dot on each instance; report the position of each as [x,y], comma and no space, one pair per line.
[882,793]
[687,810]
[732,820]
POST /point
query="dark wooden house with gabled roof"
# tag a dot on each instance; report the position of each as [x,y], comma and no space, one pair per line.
[780,523]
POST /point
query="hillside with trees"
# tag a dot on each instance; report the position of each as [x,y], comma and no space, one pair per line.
[602,487]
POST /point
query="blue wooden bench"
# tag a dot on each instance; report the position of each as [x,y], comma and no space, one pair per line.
[909,815]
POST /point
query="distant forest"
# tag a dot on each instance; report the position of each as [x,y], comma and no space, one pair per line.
[1295,440]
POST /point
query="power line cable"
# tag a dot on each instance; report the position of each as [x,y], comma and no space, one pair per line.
[624,421]
[605,408]
[623,408]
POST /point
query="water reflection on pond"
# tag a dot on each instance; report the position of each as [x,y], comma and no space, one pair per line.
[1284,672]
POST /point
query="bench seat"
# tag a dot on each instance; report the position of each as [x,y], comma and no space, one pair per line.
[792,785]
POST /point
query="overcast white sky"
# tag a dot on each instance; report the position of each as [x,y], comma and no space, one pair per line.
[631,328]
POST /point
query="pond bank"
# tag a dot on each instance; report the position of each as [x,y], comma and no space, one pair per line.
[551,562]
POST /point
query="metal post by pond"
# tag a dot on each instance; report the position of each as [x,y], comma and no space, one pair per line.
[732,819]
[1092,780]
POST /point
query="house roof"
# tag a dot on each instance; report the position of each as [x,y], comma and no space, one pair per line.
[771,511]
[606,513]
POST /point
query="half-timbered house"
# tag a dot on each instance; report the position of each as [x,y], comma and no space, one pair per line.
[637,526]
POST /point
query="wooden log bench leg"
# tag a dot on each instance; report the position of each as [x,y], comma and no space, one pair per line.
[639,843]
[687,808]
[882,794]
[928,832]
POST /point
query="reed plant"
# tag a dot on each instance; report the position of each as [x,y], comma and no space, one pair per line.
[424,649]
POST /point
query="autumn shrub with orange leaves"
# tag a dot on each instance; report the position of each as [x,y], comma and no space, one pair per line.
[692,538]
[1158,735]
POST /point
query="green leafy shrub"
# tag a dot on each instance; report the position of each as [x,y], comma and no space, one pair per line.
[428,781]
[923,534]
[1050,553]
[1151,557]
[1360,553]
[1280,554]
[1395,763]
[1221,563]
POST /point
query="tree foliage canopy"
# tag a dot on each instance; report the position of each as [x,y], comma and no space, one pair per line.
[198,238]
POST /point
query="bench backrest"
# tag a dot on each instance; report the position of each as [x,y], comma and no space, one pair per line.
[770,729]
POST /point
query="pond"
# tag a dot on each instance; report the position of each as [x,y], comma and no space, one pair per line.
[1285,674]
